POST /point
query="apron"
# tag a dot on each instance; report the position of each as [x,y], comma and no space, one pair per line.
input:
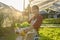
[31,35]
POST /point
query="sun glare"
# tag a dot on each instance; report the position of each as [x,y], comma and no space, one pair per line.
[17,4]
[23,4]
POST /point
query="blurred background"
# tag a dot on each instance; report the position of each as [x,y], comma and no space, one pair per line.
[15,14]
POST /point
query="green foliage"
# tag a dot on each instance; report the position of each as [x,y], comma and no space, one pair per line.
[24,24]
[17,25]
[7,33]
[49,33]
[8,18]
[51,20]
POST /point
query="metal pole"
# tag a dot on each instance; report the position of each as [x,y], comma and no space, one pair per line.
[29,8]
[24,5]
[23,8]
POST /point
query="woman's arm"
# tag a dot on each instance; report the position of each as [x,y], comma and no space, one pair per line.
[31,19]
[24,31]
[38,22]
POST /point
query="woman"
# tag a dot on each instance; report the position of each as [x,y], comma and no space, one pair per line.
[36,20]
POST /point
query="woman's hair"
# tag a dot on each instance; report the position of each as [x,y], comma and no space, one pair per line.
[36,7]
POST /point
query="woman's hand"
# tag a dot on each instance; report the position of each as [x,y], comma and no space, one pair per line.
[22,33]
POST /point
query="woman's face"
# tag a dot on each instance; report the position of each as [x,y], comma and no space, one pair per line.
[34,11]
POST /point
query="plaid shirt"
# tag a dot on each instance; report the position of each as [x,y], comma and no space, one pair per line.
[37,23]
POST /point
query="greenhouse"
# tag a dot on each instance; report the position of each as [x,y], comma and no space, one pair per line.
[20,20]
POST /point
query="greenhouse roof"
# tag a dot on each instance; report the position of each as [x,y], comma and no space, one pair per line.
[43,4]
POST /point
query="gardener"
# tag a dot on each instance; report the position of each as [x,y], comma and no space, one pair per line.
[36,20]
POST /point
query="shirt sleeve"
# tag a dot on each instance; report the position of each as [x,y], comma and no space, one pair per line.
[38,22]
[30,20]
